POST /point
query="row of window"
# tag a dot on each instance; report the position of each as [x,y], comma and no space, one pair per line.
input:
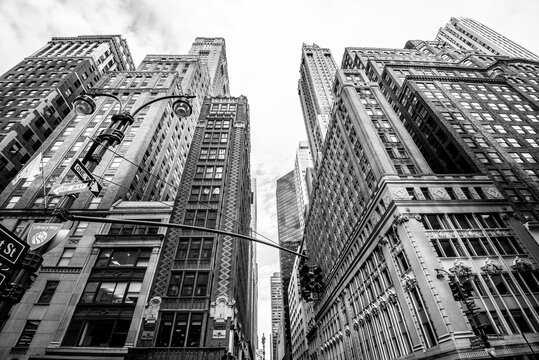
[504,245]
[188,284]
[111,292]
[462,221]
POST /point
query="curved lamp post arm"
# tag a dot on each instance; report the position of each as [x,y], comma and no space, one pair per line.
[161,98]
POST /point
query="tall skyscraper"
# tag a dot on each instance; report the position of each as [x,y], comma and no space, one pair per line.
[469,34]
[92,294]
[317,72]
[385,263]
[276,311]
[212,52]
[36,94]
[481,115]
[290,232]
[303,162]
[432,255]
[208,305]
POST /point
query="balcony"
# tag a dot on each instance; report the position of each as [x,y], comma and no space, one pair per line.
[157,353]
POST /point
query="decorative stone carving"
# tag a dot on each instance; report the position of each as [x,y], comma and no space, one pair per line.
[409,283]
[151,312]
[521,265]
[347,330]
[361,320]
[492,192]
[222,309]
[400,194]
[470,233]
[401,218]
[490,267]
[439,194]
[392,297]
[356,324]
[368,316]
[442,234]
[459,193]
[383,303]
[460,268]
[375,311]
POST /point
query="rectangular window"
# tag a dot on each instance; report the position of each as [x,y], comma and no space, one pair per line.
[27,335]
[97,332]
[181,329]
[48,292]
[66,257]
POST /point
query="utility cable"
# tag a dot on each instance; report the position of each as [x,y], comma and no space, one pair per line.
[177,189]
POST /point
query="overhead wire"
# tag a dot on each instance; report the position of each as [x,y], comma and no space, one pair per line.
[177,189]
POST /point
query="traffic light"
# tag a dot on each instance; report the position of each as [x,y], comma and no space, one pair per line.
[306,282]
[456,289]
[318,280]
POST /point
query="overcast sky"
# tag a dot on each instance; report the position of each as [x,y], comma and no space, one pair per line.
[263,45]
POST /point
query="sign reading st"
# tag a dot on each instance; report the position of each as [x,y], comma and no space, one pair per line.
[12,249]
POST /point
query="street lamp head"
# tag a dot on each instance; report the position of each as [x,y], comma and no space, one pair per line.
[182,108]
[84,105]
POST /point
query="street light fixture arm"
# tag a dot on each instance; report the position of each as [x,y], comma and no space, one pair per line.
[164,98]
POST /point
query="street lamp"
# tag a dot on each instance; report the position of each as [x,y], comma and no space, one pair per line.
[109,137]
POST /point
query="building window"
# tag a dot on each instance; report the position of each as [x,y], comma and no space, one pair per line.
[94,203]
[97,332]
[123,257]
[81,228]
[111,292]
[30,329]
[181,329]
[131,229]
[202,218]
[48,292]
[188,284]
[66,257]
[12,202]
[194,248]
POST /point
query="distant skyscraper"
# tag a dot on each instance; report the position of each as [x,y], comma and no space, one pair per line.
[290,232]
[213,53]
[288,221]
[304,161]
[37,94]
[317,72]
[276,311]
[469,34]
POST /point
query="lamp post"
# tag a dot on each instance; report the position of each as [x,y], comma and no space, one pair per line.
[109,137]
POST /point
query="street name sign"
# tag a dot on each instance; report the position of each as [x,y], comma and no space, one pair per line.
[86,176]
[12,249]
[41,233]
[82,173]
[65,189]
